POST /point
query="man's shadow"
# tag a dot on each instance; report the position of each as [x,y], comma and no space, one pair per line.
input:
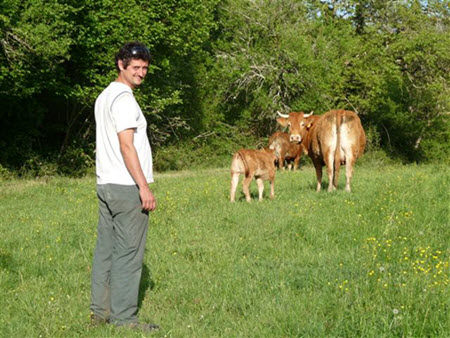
[146,283]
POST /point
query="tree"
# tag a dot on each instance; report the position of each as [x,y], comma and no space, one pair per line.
[388,61]
[59,56]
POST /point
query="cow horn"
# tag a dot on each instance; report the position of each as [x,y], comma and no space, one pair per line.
[283,115]
[308,115]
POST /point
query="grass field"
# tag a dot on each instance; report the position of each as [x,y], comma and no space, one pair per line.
[373,263]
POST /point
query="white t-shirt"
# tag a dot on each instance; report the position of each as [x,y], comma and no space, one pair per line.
[116,110]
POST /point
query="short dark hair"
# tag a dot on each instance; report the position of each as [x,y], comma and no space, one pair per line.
[132,51]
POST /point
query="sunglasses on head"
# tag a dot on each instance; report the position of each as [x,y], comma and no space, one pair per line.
[140,50]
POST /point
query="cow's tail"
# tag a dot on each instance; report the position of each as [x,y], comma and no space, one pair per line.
[244,160]
[337,153]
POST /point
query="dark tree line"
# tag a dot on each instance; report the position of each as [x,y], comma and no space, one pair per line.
[221,70]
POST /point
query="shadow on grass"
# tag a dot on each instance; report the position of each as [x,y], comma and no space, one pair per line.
[6,262]
[146,283]
[254,196]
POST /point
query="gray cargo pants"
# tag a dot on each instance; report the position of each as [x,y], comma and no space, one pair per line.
[116,270]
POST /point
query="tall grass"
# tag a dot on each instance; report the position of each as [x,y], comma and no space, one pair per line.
[373,263]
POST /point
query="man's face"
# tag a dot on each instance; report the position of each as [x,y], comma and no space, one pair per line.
[134,73]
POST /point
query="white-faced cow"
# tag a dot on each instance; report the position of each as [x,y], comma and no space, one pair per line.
[259,164]
[289,152]
[333,139]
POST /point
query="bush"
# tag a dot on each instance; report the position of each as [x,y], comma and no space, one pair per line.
[75,162]
[209,150]
[375,159]
[190,155]
[37,167]
[5,174]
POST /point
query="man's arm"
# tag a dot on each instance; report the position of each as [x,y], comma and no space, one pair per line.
[133,165]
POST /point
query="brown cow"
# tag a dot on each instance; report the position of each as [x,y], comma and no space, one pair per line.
[253,163]
[288,151]
[335,138]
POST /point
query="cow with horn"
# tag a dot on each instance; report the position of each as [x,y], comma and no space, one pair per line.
[333,139]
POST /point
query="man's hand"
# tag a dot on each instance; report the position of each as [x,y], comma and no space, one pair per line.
[148,199]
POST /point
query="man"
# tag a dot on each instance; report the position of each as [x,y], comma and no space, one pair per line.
[124,169]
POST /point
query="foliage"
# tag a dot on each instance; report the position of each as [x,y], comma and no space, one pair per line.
[5,174]
[235,62]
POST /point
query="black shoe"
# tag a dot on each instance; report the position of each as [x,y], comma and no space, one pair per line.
[145,327]
[97,320]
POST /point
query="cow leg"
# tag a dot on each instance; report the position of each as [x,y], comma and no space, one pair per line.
[272,187]
[289,166]
[337,168]
[281,163]
[296,162]
[349,173]
[329,162]
[260,183]
[318,167]
[245,187]
[234,184]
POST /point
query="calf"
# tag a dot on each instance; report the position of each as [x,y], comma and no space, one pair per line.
[288,151]
[333,139]
[253,163]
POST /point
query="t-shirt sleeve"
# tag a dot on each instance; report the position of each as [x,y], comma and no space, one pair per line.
[124,112]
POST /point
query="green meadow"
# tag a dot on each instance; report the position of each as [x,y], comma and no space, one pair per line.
[371,263]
